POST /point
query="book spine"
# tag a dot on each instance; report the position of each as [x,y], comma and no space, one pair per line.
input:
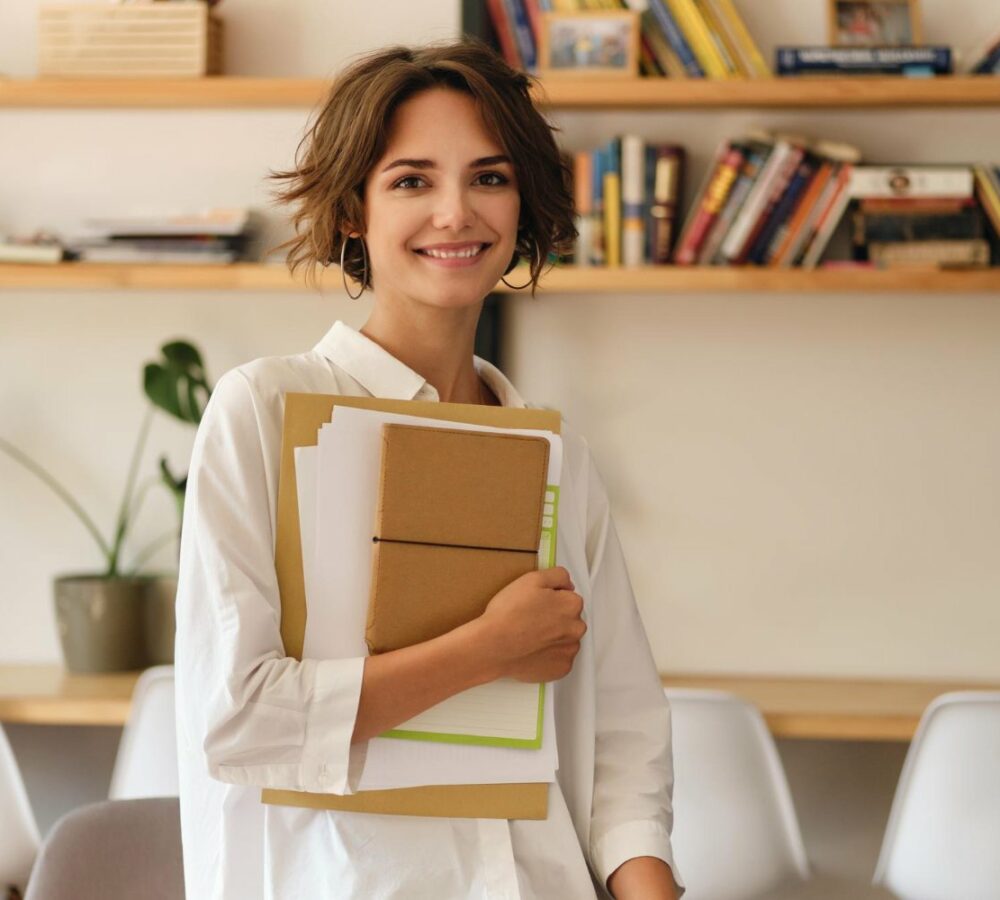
[649,65]
[666,59]
[988,196]
[752,56]
[612,207]
[964,226]
[698,38]
[583,201]
[633,179]
[709,205]
[675,38]
[972,253]
[597,209]
[666,202]
[911,181]
[505,34]
[757,202]
[723,41]
[533,9]
[890,60]
[829,218]
[522,33]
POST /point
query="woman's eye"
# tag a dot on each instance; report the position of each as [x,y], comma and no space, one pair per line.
[500,179]
[409,178]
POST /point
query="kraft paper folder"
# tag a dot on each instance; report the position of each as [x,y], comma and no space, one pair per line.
[304,415]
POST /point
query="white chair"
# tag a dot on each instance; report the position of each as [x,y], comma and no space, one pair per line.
[736,835]
[146,764]
[18,832]
[942,840]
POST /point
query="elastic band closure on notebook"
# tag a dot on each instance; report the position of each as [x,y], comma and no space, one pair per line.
[378,540]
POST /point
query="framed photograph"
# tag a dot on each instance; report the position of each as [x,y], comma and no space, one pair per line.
[874,23]
[598,43]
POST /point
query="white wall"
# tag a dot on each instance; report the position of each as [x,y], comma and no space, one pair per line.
[802,484]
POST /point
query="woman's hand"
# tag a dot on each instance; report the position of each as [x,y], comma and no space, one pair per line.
[531,630]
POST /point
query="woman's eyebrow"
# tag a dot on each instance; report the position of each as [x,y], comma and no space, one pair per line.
[430,164]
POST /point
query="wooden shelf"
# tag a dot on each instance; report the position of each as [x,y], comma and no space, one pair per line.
[831,709]
[48,695]
[821,709]
[564,279]
[230,92]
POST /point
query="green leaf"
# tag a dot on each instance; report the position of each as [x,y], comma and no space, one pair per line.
[176,383]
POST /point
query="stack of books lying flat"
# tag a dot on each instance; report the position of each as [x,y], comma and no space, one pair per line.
[215,236]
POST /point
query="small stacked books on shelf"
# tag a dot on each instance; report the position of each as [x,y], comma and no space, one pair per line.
[39,248]
[768,200]
[923,216]
[987,61]
[627,198]
[214,236]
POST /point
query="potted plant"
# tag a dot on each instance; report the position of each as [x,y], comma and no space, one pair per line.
[114,619]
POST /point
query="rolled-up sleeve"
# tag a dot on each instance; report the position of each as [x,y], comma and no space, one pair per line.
[258,717]
[632,813]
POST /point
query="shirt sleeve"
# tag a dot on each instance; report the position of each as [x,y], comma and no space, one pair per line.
[632,812]
[258,717]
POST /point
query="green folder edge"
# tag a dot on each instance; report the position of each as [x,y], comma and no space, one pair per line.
[535,743]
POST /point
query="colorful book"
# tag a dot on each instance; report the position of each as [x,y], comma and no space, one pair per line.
[709,202]
[583,178]
[911,181]
[770,234]
[518,17]
[667,169]
[829,218]
[793,61]
[612,203]
[665,56]
[699,38]
[633,181]
[675,37]
[740,35]
[505,33]
[726,46]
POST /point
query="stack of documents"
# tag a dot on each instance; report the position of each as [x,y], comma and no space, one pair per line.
[377,494]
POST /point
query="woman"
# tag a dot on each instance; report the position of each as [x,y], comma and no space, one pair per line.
[427,174]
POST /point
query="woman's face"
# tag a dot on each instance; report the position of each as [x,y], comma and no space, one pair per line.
[443,190]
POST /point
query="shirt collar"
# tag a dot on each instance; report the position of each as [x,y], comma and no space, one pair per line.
[382,375]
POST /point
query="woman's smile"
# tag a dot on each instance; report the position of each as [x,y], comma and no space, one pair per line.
[454,256]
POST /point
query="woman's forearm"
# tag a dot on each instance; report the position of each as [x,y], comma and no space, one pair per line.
[400,684]
[642,878]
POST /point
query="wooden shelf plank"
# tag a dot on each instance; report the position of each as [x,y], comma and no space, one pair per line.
[48,695]
[229,92]
[822,709]
[562,279]
[832,709]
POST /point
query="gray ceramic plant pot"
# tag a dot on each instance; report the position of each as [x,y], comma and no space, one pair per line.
[100,622]
[158,620]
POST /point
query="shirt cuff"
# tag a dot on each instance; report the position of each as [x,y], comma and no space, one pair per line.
[330,725]
[629,840]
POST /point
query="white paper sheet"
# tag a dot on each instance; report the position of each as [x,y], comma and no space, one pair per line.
[337,489]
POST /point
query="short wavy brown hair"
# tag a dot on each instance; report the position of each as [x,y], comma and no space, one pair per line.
[349,135]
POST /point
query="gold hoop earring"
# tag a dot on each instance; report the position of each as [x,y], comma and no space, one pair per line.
[343,273]
[534,254]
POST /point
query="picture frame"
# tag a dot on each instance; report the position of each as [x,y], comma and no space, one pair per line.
[874,23]
[597,43]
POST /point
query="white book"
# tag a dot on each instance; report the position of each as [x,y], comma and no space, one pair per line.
[633,183]
[30,253]
[911,181]
[211,221]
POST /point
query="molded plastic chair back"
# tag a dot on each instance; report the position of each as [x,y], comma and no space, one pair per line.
[114,850]
[18,832]
[942,840]
[146,764]
[735,833]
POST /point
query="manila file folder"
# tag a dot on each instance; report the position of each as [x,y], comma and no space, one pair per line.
[304,416]
[459,518]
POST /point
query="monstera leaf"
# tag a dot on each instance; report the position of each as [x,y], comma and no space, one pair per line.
[176,383]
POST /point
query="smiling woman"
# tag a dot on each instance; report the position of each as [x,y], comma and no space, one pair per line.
[427,174]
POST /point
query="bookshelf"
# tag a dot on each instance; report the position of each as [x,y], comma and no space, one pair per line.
[565,279]
[228,92]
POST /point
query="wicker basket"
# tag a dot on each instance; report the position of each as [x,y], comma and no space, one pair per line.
[135,40]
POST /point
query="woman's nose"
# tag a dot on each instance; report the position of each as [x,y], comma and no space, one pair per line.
[453,209]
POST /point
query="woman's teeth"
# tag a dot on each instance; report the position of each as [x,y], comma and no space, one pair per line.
[454,254]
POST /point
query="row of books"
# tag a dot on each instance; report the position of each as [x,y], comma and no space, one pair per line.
[214,236]
[678,38]
[777,200]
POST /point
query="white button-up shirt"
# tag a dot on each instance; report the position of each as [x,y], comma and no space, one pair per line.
[250,717]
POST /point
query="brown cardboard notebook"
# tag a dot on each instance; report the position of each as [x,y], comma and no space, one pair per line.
[459,517]
[304,415]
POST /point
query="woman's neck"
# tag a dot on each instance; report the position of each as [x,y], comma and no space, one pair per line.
[437,344]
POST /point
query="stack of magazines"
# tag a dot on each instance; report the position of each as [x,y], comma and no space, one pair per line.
[214,236]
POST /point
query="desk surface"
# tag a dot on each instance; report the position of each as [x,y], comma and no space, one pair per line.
[830,709]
